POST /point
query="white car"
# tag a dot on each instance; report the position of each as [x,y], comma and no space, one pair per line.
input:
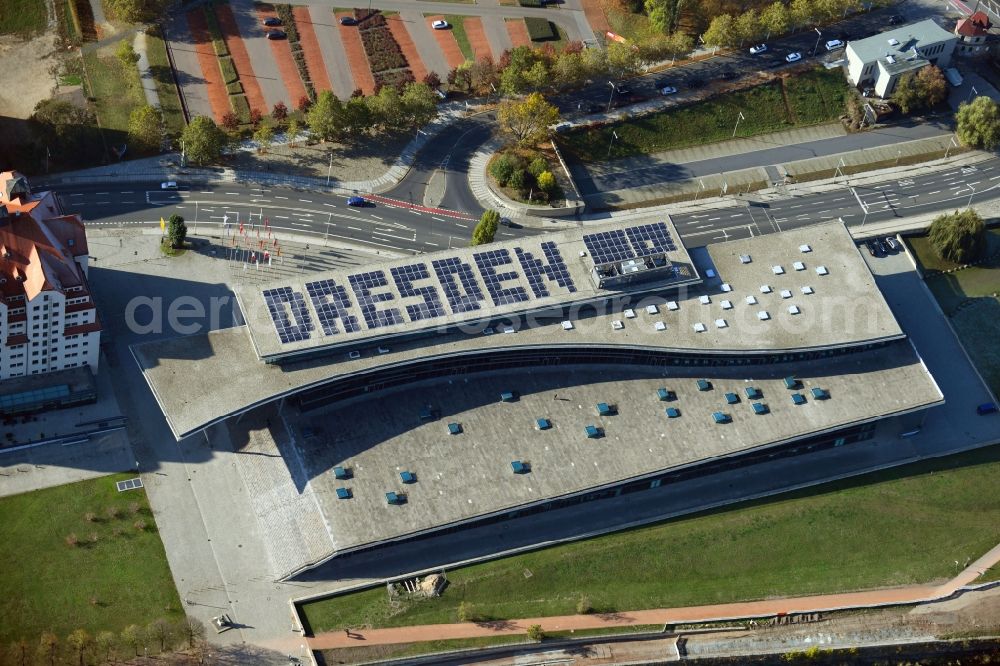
[169,185]
[668,90]
[440,24]
[758,49]
[834,44]
[793,57]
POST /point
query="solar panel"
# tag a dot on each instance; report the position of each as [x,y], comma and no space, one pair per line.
[638,241]
[651,239]
[536,271]
[404,277]
[464,298]
[330,301]
[487,262]
[363,283]
[289,329]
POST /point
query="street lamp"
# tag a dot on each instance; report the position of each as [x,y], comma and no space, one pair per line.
[614,135]
[738,119]
[972,92]
[819,36]
[969,205]
[612,98]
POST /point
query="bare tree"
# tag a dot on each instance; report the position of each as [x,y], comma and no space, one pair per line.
[106,643]
[80,641]
[134,637]
[192,630]
[48,647]
[19,651]
[159,630]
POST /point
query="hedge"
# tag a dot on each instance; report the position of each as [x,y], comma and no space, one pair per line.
[539,29]
[228,69]
[530,3]
[218,43]
[240,107]
[235,88]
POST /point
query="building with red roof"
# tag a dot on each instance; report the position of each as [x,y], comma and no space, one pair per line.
[48,320]
[972,34]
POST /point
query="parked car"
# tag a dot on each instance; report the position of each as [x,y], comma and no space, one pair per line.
[758,49]
[169,185]
[872,250]
[896,19]
[793,57]
[892,243]
[668,90]
[440,24]
[505,222]
[348,20]
[834,44]
[276,34]
[272,21]
[883,250]
[357,201]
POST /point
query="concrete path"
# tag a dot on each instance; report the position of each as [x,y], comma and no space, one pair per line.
[100,20]
[188,68]
[496,32]
[332,49]
[709,613]
[423,38]
[148,85]
[265,67]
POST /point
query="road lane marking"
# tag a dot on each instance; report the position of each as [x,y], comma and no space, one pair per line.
[281,217]
[305,200]
[442,220]
[279,197]
[713,219]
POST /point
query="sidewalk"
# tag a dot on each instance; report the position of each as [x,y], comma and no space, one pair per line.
[691,614]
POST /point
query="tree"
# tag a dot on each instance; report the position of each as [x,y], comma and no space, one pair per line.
[623,59]
[264,136]
[18,653]
[662,14]
[126,55]
[80,641]
[546,182]
[134,637]
[280,112]
[775,19]
[293,131]
[519,179]
[907,94]
[48,647]
[386,108]
[203,140]
[63,126]
[176,231]
[748,26]
[502,168]
[134,11]
[305,103]
[255,117]
[106,642]
[721,31]
[933,87]
[979,123]
[231,121]
[484,232]
[144,127]
[537,166]
[535,632]
[568,70]
[661,47]
[801,13]
[432,80]
[527,121]
[484,76]
[959,237]
[192,630]
[419,104]
[323,116]
[159,630]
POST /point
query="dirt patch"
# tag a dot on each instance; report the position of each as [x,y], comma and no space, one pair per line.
[356,57]
[594,11]
[518,32]
[231,33]
[402,37]
[26,61]
[365,161]
[310,47]
[477,37]
[218,98]
[449,45]
[281,49]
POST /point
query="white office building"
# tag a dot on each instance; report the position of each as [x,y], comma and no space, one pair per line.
[879,61]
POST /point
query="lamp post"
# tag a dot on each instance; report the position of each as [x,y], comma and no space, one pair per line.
[972,194]
[738,119]
[819,36]
[972,92]
[329,169]
[614,135]
[612,98]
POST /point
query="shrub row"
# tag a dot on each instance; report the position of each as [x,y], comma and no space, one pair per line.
[530,3]
[369,19]
[288,19]
[397,78]
[240,107]
[382,49]
[288,22]
[218,43]
[235,88]
[539,29]
[228,69]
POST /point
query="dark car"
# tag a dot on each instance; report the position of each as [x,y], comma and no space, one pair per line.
[872,250]
[883,250]
[272,21]
[276,34]
[361,202]
[895,19]
[348,20]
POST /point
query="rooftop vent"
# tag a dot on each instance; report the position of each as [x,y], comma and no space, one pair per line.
[727,305]
[805,248]
[698,327]
[765,289]
[807,290]
[751,300]
[671,305]
[777,270]
[793,309]
[786,293]
[799,266]
[763,315]
[660,326]
[567,325]
[726,288]
[629,313]
[745,259]
[617,324]
[721,323]
[705,299]
[821,270]
[543,424]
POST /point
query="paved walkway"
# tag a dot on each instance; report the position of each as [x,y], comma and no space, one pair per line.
[145,75]
[712,613]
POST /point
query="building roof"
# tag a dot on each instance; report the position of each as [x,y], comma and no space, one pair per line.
[38,244]
[898,44]
[976,25]
[740,309]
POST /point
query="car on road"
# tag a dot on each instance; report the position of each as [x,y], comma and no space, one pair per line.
[272,21]
[357,201]
[757,49]
[834,44]
[668,90]
[505,222]
[276,34]
[440,24]
[795,56]
[896,19]
[348,20]
[169,185]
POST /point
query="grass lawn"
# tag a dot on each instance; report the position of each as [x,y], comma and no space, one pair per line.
[634,27]
[812,97]
[992,574]
[458,29]
[714,119]
[117,91]
[976,326]
[897,527]
[159,66]
[119,580]
[22,17]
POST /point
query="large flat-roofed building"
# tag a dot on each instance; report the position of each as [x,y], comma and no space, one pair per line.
[48,319]
[879,61]
[594,380]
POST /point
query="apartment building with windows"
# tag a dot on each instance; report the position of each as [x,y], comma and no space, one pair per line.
[879,61]
[48,319]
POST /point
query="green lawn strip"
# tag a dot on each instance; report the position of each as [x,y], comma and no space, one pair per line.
[976,326]
[159,66]
[69,30]
[116,89]
[634,27]
[897,527]
[817,96]
[990,575]
[366,654]
[458,29]
[22,17]
[48,585]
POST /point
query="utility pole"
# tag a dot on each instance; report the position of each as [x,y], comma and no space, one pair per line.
[614,135]
[329,169]
[819,36]
[195,217]
[738,119]
[612,98]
